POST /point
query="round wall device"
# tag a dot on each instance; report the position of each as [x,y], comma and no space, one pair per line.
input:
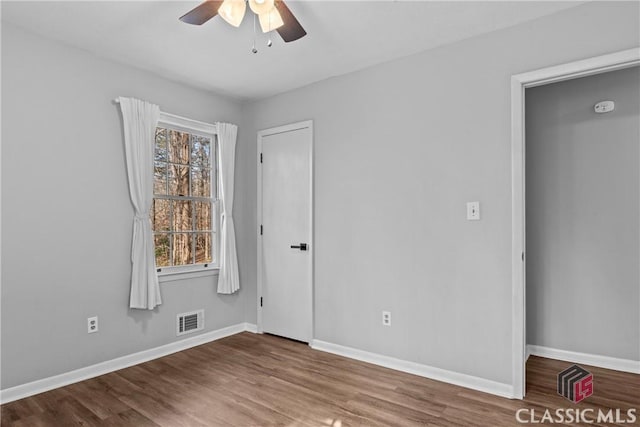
[604,107]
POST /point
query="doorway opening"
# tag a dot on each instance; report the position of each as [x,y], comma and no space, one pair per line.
[519,84]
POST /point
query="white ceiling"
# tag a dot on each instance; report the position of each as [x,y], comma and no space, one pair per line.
[343,36]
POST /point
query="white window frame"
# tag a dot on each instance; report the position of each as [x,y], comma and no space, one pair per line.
[172,121]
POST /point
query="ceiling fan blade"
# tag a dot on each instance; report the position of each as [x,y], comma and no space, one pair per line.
[202,13]
[291,30]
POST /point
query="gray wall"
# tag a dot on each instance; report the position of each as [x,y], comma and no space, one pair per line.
[399,149]
[67,216]
[583,219]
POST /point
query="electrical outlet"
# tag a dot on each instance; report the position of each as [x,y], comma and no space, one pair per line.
[386,318]
[92,324]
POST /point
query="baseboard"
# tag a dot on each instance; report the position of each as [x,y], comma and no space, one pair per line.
[61,380]
[251,327]
[625,365]
[463,380]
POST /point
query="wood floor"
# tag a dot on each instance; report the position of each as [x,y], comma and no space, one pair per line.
[261,380]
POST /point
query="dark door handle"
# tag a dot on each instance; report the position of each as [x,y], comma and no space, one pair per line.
[301,246]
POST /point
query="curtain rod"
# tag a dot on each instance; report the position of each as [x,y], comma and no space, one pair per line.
[197,123]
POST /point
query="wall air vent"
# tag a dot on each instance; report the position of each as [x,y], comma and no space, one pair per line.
[190,322]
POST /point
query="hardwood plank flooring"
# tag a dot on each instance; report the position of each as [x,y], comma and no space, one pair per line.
[262,380]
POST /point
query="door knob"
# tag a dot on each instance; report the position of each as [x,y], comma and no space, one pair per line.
[301,246]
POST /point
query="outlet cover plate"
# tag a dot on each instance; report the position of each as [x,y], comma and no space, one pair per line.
[386,318]
[92,325]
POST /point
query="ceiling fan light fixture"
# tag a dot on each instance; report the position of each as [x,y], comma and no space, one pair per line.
[260,7]
[233,11]
[271,20]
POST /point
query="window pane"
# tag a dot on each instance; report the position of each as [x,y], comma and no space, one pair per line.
[178,147]
[181,253]
[161,242]
[203,248]
[182,215]
[200,182]
[200,151]
[203,216]
[160,215]
[161,145]
[160,178]
[184,168]
[178,180]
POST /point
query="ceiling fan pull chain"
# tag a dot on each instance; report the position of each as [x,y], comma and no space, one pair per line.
[253,49]
[269,42]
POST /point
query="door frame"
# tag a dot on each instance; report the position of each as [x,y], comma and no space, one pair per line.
[520,82]
[261,134]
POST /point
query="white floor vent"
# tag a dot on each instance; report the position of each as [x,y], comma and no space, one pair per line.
[190,322]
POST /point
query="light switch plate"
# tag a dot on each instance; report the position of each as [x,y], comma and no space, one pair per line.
[473,211]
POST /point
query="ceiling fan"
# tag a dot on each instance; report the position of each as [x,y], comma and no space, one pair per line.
[273,15]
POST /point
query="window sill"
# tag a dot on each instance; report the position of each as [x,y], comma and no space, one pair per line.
[173,276]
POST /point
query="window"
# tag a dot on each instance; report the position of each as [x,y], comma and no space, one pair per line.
[184,210]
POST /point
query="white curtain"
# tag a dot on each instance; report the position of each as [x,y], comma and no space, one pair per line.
[228,278]
[140,120]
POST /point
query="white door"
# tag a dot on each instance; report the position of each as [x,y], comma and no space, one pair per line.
[285,246]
